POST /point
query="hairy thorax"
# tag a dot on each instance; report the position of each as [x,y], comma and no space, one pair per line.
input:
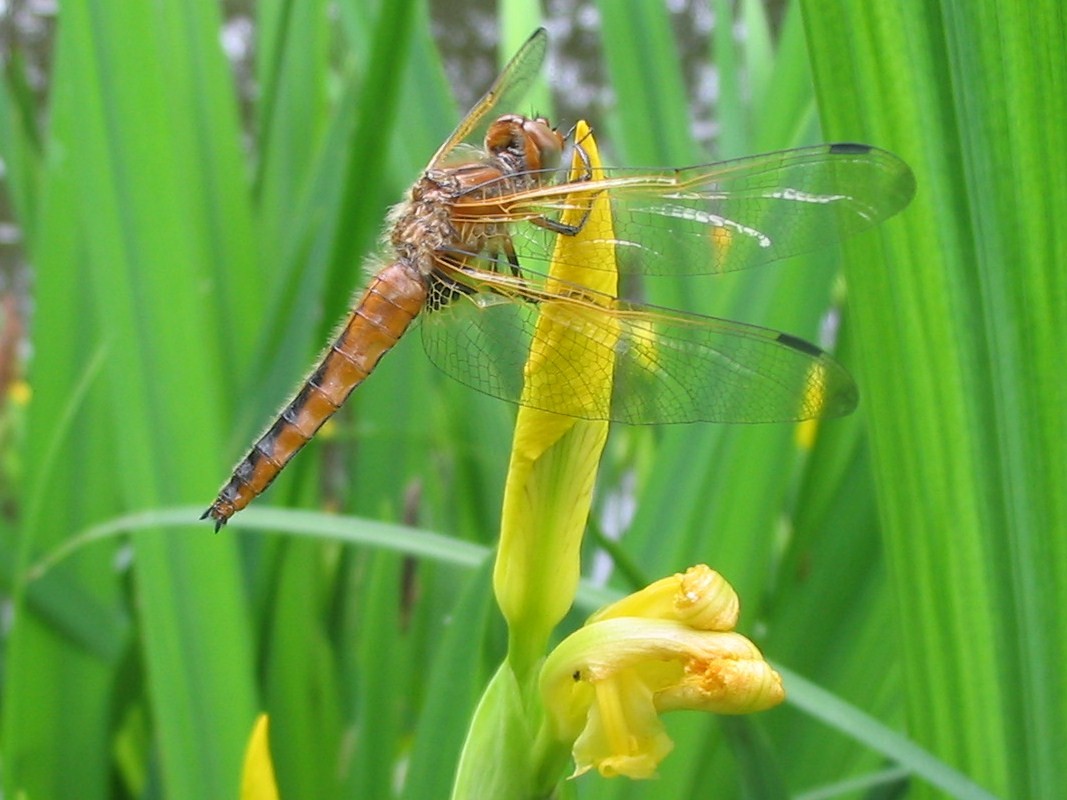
[434,221]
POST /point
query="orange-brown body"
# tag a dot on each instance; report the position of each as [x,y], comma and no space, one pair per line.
[379,319]
[426,241]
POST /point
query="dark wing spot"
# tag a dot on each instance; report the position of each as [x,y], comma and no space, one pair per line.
[849,149]
[797,343]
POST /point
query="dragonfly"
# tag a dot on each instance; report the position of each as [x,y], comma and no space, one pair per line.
[470,247]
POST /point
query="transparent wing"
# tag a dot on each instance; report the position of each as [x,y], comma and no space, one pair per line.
[663,366]
[507,90]
[714,218]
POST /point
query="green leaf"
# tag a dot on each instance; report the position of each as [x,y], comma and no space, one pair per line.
[959,312]
[139,233]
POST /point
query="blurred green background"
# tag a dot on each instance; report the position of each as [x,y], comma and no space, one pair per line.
[195,227]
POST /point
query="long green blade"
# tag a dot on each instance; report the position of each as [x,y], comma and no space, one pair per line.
[960,323]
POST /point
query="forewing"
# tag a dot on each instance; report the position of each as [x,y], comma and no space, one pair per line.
[718,217]
[664,366]
[507,90]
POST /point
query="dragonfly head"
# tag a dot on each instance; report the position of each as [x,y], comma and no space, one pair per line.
[528,144]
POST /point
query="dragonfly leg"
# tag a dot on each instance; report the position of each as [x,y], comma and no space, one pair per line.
[512,256]
[587,166]
[555,225]
[562,228]
[501,248]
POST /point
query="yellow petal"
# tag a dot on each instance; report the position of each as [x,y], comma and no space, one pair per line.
[725,686]
[624,735]
[257,777]
[554,458]
[700,597]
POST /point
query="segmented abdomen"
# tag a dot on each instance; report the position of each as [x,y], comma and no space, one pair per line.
[393,299]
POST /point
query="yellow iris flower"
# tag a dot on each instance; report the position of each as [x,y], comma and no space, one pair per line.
[668,647]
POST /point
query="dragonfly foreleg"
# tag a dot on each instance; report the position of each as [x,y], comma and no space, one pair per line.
[562,228]
[508,247]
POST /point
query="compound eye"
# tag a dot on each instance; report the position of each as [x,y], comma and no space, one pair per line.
[543,144]
[503,133]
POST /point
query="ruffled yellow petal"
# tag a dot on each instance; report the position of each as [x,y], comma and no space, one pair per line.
[729,685]
[700,597]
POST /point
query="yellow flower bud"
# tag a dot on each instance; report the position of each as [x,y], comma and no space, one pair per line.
[554,458]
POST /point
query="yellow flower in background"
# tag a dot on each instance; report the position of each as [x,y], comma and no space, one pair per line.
[20,393]
[813,400]
[257,777]
[666,648]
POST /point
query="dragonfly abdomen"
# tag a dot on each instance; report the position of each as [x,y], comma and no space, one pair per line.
[382,315]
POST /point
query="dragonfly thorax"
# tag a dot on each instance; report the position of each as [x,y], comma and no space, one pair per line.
[423,225]
[519,153]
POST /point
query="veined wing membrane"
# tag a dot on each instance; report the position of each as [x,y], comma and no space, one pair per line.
[508,88]
[667,366]
[718,217]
